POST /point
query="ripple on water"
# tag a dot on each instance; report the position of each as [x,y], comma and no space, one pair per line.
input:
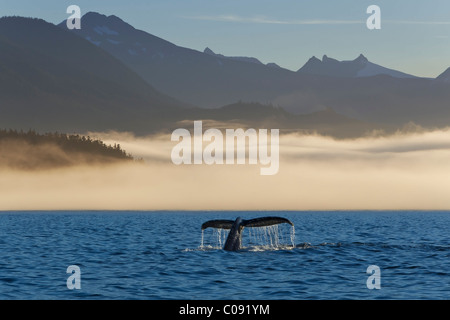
[158,255]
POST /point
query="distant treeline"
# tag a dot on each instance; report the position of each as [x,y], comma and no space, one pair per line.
[30,150]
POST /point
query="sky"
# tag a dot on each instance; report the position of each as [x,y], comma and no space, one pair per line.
[414,35]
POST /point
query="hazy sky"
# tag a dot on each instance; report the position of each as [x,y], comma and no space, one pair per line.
[415,34]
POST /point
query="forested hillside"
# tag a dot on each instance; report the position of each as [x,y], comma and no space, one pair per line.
[31,150]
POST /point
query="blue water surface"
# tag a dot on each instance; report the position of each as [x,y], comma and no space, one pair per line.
[158,255]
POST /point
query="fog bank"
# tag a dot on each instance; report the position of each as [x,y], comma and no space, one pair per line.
[398,172]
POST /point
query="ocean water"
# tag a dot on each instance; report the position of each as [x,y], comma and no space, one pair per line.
[160,255]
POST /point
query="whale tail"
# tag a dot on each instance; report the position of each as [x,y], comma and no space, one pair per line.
[218,224]
[265,222]
[233,242]
[252,223]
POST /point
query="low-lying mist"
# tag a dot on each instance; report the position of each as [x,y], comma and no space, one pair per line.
[400,171]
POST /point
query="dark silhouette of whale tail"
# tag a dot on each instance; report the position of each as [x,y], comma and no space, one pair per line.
[234,238]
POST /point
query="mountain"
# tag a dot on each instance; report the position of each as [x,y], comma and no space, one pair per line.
[357,89]
[51,79]
[360,67]
[243,59]
[108,75]
[202,79]
[445,76]
[256,115]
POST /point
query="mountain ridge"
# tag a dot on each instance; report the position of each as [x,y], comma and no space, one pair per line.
[104,77]
[91,16]
[52,79]
[359,67]
[444,76]
[238,58]
[211,81]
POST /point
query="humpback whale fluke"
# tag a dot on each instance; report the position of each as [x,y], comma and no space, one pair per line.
[233,242]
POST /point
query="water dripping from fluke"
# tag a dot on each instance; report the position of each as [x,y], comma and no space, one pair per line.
[260,234]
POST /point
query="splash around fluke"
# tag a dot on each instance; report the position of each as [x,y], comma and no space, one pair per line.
[234,239]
